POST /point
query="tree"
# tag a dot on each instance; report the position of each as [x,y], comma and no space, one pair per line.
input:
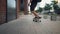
[47,7]
[55,6]
[40,9]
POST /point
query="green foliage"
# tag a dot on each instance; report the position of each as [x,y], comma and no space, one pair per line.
[40,9]
[54,3]
[47,7]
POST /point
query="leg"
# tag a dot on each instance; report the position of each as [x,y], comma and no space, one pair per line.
[32,7]
[35,14]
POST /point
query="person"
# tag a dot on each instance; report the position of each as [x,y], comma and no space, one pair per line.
[32,7]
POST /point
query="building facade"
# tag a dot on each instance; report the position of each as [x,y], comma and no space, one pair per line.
[7,13]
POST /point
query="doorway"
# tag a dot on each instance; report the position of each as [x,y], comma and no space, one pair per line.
[15,7]
[11,10]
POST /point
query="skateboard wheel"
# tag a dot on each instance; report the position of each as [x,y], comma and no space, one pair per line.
[34,19]
[40,20]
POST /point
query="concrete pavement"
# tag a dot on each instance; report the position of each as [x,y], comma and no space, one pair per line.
[25,25]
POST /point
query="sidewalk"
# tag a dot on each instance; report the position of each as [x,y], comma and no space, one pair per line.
[25,25]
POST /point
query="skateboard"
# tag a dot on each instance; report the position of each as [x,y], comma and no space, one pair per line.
[37,19]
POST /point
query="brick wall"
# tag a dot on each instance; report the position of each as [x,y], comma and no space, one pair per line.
[2,11]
